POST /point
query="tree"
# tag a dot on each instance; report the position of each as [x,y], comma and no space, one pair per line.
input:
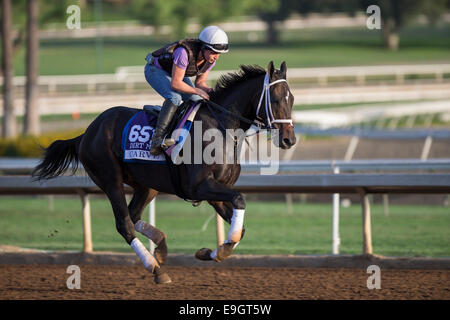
[277,12]
[270,12]
[397,13]
[154,12]
[394,13]
[176,13]
[9,126]
[217,11]
[51,11]
[274,11]
[32,123]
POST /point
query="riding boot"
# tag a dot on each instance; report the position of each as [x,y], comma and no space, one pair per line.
[168,109]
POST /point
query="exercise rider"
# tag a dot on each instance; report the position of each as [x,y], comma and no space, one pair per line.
[168,71]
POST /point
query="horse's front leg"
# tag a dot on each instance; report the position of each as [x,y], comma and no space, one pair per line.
[225,210]
[234,214]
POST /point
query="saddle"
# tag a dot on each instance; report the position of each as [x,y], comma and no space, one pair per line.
[176,119]
[183,118]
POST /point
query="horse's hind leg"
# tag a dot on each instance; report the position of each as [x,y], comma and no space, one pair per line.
[141,197]
[109,179]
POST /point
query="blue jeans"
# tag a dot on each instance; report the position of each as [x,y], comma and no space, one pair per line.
[160,80]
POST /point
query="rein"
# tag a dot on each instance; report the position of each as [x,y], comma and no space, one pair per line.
[268,107]
[220,108]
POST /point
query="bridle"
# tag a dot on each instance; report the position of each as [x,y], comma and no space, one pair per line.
[268,108]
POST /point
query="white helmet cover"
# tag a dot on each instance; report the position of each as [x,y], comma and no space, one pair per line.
[214,38]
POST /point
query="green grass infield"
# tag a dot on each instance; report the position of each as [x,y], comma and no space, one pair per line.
[33,222]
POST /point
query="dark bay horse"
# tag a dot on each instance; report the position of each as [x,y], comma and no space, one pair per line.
[252,93]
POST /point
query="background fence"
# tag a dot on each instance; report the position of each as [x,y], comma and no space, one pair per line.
[294,182]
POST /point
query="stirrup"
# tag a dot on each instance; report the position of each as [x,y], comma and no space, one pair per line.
[167,143]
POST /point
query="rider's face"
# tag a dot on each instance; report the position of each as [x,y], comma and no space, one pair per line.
[211,56]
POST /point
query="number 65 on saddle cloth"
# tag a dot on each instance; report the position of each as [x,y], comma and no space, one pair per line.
[138,132]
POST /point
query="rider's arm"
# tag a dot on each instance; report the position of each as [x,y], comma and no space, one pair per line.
[200,82]
[179,85]
[180,63]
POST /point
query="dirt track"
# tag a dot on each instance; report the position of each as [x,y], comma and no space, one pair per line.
[197,283]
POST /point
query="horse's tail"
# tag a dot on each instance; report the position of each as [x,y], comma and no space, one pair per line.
[57,159]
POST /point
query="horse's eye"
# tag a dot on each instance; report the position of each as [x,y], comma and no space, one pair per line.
[287,98]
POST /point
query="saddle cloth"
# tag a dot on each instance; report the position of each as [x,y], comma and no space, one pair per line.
[138,132]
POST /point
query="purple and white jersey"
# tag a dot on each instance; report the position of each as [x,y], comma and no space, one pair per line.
[180,59]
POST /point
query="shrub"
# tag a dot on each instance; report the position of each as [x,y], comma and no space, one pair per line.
[31,146]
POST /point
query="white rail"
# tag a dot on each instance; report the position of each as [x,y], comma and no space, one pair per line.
[133,75]
[362,184]
[24,166]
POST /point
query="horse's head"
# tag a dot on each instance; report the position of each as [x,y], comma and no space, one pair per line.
[278,111]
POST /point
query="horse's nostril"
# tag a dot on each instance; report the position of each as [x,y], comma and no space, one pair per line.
[287,142]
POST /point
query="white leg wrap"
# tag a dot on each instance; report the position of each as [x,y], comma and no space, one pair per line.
[237,223]
[235,232]
[146,257]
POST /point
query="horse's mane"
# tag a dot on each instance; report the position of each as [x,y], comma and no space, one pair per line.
[232,79]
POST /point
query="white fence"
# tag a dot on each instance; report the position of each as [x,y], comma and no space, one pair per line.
[323,75]
[333,183]
[95,103]
[131,76]
[24,166]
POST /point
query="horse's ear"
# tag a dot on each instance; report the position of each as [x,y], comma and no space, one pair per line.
[283,69]
[270,69]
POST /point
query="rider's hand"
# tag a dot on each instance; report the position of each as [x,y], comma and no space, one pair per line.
[202,93]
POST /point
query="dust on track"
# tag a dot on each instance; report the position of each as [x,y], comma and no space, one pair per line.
[235,283]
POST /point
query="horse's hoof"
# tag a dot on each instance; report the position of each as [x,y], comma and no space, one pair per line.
[204,254]
[161,277]
[224,251]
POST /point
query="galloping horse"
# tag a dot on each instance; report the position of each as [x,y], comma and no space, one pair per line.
[99,150]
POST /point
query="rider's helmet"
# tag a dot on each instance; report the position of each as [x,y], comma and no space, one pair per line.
[214,38]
